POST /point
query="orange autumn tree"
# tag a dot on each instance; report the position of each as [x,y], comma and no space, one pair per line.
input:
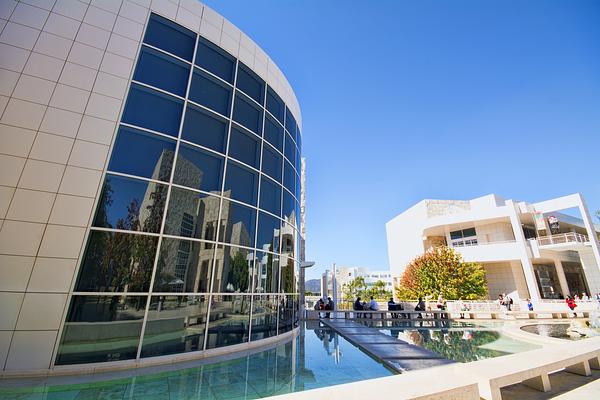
[442,270]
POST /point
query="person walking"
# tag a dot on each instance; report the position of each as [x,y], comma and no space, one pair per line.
[571,304]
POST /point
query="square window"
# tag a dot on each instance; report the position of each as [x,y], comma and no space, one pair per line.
[192,214]
[245,147]
[153,110]
[290,122]
[267,273]
[270,196]
[250,83]
[247,114]
[233,270]
[269,231]
[289,208]
[214,59]
[171,37]
[289,177]
[241,183]
[205,128]
[271,162]
[274,133]
[209,92]
[275,105]
[238,223]
[290,149]
[198,169]
[162,71]
[233,326]
[142,154]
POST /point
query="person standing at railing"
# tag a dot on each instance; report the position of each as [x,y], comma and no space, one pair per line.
[571,304]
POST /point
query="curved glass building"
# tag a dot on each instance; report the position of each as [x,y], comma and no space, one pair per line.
[173,226]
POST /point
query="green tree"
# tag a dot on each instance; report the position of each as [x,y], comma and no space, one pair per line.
[239,274]
[356,287]
[442,270]
[378,291]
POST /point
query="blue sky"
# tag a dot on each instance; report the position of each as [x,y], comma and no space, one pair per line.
[406,100]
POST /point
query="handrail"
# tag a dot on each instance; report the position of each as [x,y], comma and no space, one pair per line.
[562,238]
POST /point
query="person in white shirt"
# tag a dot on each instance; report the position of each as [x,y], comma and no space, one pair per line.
[373,306]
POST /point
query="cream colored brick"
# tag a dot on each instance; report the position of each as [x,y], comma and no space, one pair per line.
[61,122]
[61,241]
[16,141]
[69,98]
[79,76]
[96,130]
[8,81]
[88,155]
[52,275]
[31,206]
[6,195]
[71,210]
[23,113]
[33,89]
[41,311]
[41,175]
[31,350]
[10,303]
[10,170]
[80,182]
[15,272]
[51,148]
[20,238]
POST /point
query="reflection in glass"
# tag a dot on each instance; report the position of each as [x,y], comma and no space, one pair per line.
[288,276]
[244,147]
[142,154]
[274,133]
[233,269]
[275,105]
[101,328]
[290,122]
[169,36]
[264,317]
[266,273]
[290,149]
[205,128]
[238,223]
[192,214]
[241,183]
[247,114]
[249,83]
[289,177]
[289,239]
[117,262]
[271,162]
[229,318]
[131,204]
[162,71]
[270,196]
[215,60]
[210,92]
[289,208]
[288,313]
[198,169]
[268,232]
[183,266]
[175,324]
[151,109]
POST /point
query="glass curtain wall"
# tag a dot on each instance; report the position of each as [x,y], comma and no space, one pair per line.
[194,242]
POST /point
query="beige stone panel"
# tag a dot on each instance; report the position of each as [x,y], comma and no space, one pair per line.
[5,337]
[80,182]
[10,169]
[88,155]
[41,175]
[33,89]
[41,311]
[8,81]
[31,350]
[16,141]
[43,66]
[6,194]
[61,122]
[15,272]
[31,206]
[71,210]
[61,241]
[20,238]
[23,113]
[10,304]
[96,130]
[51,148]
[52,275]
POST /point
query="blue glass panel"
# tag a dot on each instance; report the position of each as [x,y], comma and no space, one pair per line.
[245,147]
[232,325]
[250,83]
[289,207]
[198,169]
[247,114]
[241,183]
[271,163]
[162,71]
[215,60]
[152,109]
[275,105]
[183,266]
[171,37]
[298,138]
[289,178]
[267,270]
[192,214]
[290,122]
[209,92]
[233,269]
[205,128]
[268,232]
[298,188]
[131,204]
[143,154]
[270,196]
[238,224]
[290,149]
[274,133]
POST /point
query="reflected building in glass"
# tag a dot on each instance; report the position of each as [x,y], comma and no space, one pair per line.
[192,240]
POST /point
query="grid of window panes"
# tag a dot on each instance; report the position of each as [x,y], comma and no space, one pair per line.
[195,240]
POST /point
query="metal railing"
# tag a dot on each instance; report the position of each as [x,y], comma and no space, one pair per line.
[562,238]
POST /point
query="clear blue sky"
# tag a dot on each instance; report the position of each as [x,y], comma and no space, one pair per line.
[406,100]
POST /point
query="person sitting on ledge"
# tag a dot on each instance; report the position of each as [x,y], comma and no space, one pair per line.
[392,306]
[373,306]
[357,306]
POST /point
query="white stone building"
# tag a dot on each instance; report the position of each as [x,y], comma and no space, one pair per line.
[346,274]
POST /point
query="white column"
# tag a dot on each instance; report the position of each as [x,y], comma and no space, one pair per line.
[562,279]
[521,242]
[589,227]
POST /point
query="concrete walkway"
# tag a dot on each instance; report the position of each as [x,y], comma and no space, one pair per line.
[395,353]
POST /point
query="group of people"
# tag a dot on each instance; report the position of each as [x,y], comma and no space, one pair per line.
[506,301]
[325,305]
[364,306]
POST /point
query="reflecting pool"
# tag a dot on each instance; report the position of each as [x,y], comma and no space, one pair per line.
[571,331]
[318,358]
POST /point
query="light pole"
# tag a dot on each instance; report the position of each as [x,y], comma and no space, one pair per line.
[334,281]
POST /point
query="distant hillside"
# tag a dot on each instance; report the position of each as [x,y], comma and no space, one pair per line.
[313,285]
